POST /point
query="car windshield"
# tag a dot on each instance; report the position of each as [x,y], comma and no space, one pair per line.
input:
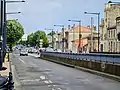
[60,44]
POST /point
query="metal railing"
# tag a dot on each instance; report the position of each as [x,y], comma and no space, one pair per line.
[112,58]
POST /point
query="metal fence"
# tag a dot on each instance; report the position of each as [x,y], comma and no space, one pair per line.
[113,58]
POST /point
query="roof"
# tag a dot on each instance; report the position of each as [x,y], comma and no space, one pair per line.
[83,29]
[83,42]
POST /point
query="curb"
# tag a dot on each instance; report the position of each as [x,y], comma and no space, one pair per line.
[116,78]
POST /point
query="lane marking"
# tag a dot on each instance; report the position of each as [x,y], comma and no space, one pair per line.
[22,61]
[50,81]
[53,89]
[59,88]
[30,80]
[42,77]
[47,82]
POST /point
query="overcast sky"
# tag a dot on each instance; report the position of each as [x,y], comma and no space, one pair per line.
[40,14]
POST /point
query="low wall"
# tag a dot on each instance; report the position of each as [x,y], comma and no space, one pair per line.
[105,67]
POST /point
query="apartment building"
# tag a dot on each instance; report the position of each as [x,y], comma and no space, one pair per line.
[109,28]
[72,42]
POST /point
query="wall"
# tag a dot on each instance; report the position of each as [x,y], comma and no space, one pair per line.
[110,68]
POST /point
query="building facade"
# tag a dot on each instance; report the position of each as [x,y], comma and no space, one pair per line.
[71,39]
[109,29]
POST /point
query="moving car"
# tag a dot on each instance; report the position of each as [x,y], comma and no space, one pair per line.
[23,53]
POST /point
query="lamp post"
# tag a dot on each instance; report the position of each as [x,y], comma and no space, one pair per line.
[63,46]
[3,27]
[13,12]
[52,36]
[98,14]
[14,1]
[5,17]
[80,35]
[113,2]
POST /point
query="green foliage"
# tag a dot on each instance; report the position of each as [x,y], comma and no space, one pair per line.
[14,32]
[22,42]
[51,33]
[34,38]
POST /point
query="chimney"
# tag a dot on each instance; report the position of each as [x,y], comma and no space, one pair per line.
[68,27]
[73,26]
[88,26]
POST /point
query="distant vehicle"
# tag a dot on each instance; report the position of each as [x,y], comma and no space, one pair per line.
[49,50]
[34,50]
[58,50]
[23,53]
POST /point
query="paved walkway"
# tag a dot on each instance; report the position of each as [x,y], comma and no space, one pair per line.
[6,65]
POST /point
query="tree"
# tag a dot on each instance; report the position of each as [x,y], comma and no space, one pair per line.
[14,32]
[34,38]
[51,33]
[30,40]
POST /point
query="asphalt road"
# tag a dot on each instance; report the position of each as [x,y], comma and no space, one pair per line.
[32,73]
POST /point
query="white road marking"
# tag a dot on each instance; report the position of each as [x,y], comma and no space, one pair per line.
[50,81]
[53,89]
[59,88]
[22,60]
[42,77]
[47,82]
[30,80]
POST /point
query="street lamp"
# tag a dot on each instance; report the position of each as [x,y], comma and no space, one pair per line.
[52,36]
[98,14]
[113,2]
[4,29]
[14,1]
[80,35]
[63,46]
[13,13]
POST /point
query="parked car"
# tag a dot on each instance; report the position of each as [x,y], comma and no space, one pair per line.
[23,53]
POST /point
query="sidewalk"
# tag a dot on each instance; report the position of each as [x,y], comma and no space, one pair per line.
[6,65]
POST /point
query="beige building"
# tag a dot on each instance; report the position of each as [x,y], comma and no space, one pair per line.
[72,42]
[109,29]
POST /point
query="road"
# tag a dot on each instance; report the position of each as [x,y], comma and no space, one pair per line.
[32,73]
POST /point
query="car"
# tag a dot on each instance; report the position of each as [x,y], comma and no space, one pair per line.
[58,50]
[49,50]
[23,53]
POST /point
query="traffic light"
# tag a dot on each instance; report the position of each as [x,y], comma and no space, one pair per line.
[118,36]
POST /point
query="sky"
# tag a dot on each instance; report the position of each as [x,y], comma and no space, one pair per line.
[41,14]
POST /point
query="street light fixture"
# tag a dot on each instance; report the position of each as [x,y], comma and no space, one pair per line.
[52,36]
[63,46]
[79,21]
[98,14]
[13,13]
[14,1]
[113,2]
[4,21]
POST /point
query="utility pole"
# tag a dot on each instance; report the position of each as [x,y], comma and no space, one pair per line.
[80,35]
[52,34]
[92,41]
[63,38]
[98,14]
[4,32]
[1,29]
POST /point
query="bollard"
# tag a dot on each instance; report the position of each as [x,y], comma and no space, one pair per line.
[8,57]
[11,83]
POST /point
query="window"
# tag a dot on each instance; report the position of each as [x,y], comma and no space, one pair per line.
[109,46]
[109,33]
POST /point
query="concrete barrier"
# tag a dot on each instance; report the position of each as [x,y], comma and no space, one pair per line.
[110,68]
